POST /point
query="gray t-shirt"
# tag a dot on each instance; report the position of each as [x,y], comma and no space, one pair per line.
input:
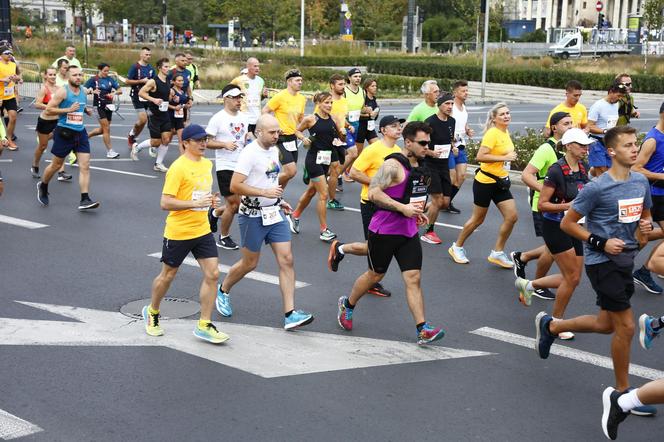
[612,210]
[604,114]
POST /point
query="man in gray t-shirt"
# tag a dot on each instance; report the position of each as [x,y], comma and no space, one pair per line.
[602,116]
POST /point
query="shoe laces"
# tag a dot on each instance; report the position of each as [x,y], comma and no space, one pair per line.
[211,326]
[155,319]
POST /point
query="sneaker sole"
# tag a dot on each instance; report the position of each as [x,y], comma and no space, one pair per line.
[378,293]
[499,263]
[339,316]
[454,258]
[291,225]
[38,199]
[546,298]
[143,315]
[642,330]
[566,336]
[635,412]
[227,248]
[645,286]
[89,206]
[606,408]
[299,324]
[524,299]
[437,336]
[210,339]
[327,239]
[64,180]
[430,241]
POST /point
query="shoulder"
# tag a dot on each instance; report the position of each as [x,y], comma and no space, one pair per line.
[639,178]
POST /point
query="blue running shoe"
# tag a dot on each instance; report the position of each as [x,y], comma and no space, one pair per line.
[223,303]
[643,410]
[297,318]
[646,332]
[210,334]
[544,339]
[643,278]
[429,334]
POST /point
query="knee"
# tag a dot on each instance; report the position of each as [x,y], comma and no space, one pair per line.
[212,275]
[412,278]
[290,170]
[626,329]
[286,260]
[322,195]
[167,275]
[573,279]
[511,218]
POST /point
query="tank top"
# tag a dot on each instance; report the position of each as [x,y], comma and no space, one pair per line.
[47,95]
[73,120]
[163,91]
[323,133]
[656,162]
[370,102]
[183,98]
[355,102]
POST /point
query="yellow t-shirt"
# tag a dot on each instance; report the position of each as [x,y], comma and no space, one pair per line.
[579,114]
[7,69]
[288,109]
[499,143]
[339,111]
[370,160]
[188,180]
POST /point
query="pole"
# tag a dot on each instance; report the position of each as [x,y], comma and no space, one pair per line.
[302,28]
[164,24]
[44,17]
[410,22]
[486,41]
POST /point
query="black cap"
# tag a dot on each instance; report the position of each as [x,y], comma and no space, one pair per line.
[447,96]
[555,118]
[354,71]
[661,109]
[389,119]
[293,73]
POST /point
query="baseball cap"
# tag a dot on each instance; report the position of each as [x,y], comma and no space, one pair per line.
[661,108]
[354,71]
[194,132]
[6,50]
[445,97]
[230,90]
[576,135]
[555,118]
[390,119]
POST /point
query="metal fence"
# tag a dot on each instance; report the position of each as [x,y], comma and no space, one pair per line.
[32,78]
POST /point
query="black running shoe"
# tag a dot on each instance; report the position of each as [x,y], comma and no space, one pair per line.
[42,193]
[34,171]
[227,243]
[612,414]
[379,290]
[519,266]
[88,204]
[212,219]
[64,176]
[544,294]
[334,257]
[452,209]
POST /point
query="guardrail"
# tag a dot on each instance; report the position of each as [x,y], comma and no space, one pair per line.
[32,78]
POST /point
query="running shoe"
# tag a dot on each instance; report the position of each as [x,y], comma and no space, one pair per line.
[458,254]
[429,334]
[42,194]
[431,238]
[326,235]
[223,303]
[305,176]
[87,204]
[153,152]
[334,257]
[11,145]
[35,172]
[500,259]
[158,167]
[227,243]
[133,154]
[612,414]
[544,293]
[112,154]
[379,290]
[643,278]
[646,332]
[297,318]
[519,266]
[210,334]
[543,340]
[151,321]
[72,158]
[212,219]
[525,295]
[643,410]
[340,185]
[131,140]
[566,336]
[345,314]
[334,205]
[293,223]
[64,176]
[453,210]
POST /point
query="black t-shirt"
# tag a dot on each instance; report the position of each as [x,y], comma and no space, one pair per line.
[442,134]
[372,103]
[566,188]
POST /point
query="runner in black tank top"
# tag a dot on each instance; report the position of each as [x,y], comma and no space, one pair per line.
[323,136]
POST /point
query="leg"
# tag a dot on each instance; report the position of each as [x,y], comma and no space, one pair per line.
[652,392]
[283,254]
[41,147]
[460,169]
[335,171]
[83,171]
[600,323]
[414,294]
[161,284]
[305,199]
[12,123]
[362,284]
[623,323]
[52,168]
[570,266]
[356,248]
[475,220]
[106,133]
[140,123]
[232,206]
[208,291]
[655,262]
[544,262]
[321,207]
[508,210]
[246,264]
[437,203]
[351,154]
[288,172]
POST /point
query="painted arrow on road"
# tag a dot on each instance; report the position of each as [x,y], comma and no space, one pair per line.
[264,351]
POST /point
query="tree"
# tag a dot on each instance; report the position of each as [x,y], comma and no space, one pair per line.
[652,21]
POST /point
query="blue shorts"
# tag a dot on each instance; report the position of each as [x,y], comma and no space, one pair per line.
[253,233]
[598,155]
[350,136]
[462,158]
[71,141]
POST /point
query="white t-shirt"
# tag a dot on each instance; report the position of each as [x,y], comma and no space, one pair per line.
[254,88]
[261,167]
[461,118]
[604,114]
[226,127]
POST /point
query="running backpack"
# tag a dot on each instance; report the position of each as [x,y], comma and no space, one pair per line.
[417,185]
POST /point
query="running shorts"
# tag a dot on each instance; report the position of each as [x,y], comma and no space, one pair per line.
[614,285]
[461,158]
[315,170]
[46,127]
[598,155]
[287,156]
[558,241]
[158,125]
[483,194]
[76,141]
[224,181]
[140,106]
[537,223]
[173,252]
[253,233]
[440,177]
[657,209]
[9,105]
[363,134]
[367,211]
[103,113]
[382,248]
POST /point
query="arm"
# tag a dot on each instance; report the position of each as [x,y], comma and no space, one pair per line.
[529,178]
[144,93]
[593,129]
[52,106]
[545,205]
[387,175]
[39,99]
[306,123]
[239,187]
[131,81]
[359,176]
[570,225]
[171,203]
[647,149]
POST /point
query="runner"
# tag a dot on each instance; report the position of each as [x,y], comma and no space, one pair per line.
[571,106]
[187,194]
[157,92]
[627,109]
[440,150]
[367,129]
[253,87]
[229,129]
[139,74]
[355,97]
[62,78]
[533,176]
[69,135]
[177,108]
[9,76]
[458,163]
[70,56]
[492,183]
[617,405]
[288,107]
[399,192]
[427,107]
[364,168]
[181,68]
[339,114]
[104,88]
[193,70]
[261,219]
[603,116]
[321,156]
[46,124]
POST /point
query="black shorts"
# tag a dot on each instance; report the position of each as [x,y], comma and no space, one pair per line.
[367,211]
[483,194]
[158,125]
[614,285]
[45,127]
[103,113]
[363,134]
[224,181]
[657,209]
[287,156]
[251,129]
[440,177]
[9,105]
[141,106]
[173,252]
[407,251]
[315,170]
[558,241]
[537,223]
[178,123]
[341,154]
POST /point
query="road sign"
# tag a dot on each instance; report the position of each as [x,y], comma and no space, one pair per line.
[599,5]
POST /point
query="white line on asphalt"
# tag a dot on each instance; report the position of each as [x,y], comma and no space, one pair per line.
[115,171]
[115,137]
[13,427]
[452,226]
[111,160]
[257,276]
[6,161]
[21,222]
[567,352]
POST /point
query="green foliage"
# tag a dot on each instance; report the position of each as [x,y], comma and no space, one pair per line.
[652,14]
[538,35]
[443,28]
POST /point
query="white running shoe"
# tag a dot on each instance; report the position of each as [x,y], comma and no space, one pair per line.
[153,152]
[501,259]
[458,254]
[158,167]
[134,152]
[112,154]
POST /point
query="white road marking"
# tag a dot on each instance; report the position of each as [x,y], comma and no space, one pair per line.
[21,222]
[111,160]
[263,351]
[257,276]
[567,352]
[451,226]
[6,161]
[13,427]
[114,171]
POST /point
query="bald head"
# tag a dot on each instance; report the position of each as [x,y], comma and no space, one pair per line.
[253,67]
[267,130]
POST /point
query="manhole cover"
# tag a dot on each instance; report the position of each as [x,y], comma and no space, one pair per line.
[171,308]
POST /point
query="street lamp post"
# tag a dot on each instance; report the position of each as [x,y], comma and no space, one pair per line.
[44,16]
[301,28]
[486,41]
[165,23]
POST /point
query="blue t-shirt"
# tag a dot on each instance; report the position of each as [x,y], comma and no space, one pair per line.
[612,210]
[139,72]
[656,162]
[604,114]
[186,74]
[105,86]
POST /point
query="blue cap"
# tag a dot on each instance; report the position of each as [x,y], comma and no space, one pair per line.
[194,131]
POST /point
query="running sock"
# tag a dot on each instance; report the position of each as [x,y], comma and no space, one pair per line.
[296,214]
[84,196]
[455,190]
[340,249]
[323,228]
[629,401]
[131,132]
[658,324]
[347,304]
[203,323]
[153,311]
[161,154]
[287,314]
[420,326]
[529,286]
[144,144]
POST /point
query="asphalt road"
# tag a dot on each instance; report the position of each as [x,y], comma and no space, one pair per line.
[75,374]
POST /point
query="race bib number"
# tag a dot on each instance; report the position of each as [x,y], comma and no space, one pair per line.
[611,122]
[253,102]
[75,118]
[290,146]
[111,107]
[9,90]
[163,106]
[353,116]
[324,157]
[629,210]
[507,165]
[271,215]
[419,201]
[442,150]
[199,195]
[178,113]
[371,125]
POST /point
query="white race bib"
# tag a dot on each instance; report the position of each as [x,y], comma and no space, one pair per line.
[290,146]
[111,107]
[610,122]
[353,116]
[163,106]
[253,102]
[271,215]
[9,90]
[442,150]
[178,113]
[324,157]
[199,195]
[507,165]
[419,201]
[371,125]
[629,210]
[75,118]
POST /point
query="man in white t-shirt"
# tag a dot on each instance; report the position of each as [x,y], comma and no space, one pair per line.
[254,90]
[229,130]
[262,220]
[602,116]
[459,162]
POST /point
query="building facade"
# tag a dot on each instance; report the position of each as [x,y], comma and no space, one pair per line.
[572,13]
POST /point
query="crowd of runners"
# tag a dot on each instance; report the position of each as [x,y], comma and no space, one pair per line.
[597,196]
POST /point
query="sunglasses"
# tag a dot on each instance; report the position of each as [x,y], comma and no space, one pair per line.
[421,142]
[628,84]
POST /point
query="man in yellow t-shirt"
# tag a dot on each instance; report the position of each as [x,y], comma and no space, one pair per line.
[288,107]
[187,195]
[363,169]
[339,114]
[9,76]
[571,105]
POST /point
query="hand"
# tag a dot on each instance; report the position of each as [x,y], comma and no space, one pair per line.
[206,201]
[74,107]
[614,246]
[231,145]
[176,99]
[411,211]
[306,141]
[422,219]
[274,192]
[455,151]
[4,143]
[88,111]
[636,114]
[351,129]
[157,101]
[216,200]
[96,91]
[645,226]
[287,208]
[510,156]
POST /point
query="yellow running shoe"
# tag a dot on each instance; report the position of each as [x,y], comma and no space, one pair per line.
[72,159]
[210,333]
[151,322]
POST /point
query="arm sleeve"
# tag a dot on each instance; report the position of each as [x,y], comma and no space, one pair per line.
[115,83]
[212,127]
[540,156]
[273,103]
[489,139]
[132,73]
[89,83]
[593,114]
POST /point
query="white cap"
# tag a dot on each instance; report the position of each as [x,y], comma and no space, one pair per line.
[576,135]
